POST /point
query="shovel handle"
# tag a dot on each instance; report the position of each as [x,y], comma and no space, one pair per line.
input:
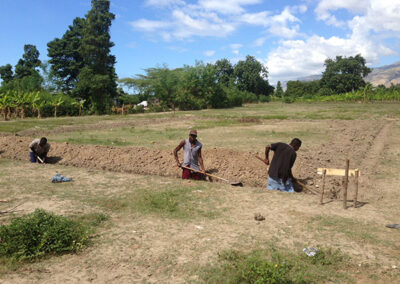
[207,174]
[40,159]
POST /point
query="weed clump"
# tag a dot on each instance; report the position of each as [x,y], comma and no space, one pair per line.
[274,266]
[40,233]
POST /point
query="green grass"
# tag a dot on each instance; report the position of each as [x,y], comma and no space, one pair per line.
[276,265]
[228,117]
[41,233]
[178,202]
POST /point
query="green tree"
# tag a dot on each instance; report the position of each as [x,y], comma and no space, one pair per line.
[6,73]
[97,79]
[224,71]
[252,76]
[344,74]
[27,65]
[65,59]
[279,91]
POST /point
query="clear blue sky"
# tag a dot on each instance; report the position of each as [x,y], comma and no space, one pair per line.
[292,38]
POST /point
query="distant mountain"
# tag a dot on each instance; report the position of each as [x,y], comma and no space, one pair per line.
[384,75]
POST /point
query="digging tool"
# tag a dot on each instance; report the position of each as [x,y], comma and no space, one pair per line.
[40,159]
[236,183]
[295,180]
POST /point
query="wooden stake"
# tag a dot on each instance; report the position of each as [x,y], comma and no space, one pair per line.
[346,182]
[356,183]
[323,187]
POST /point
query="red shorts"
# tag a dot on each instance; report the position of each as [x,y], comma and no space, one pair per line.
[187,174]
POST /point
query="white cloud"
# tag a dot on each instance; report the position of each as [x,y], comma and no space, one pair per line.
[227,6]
[299,58]
[283,25]
[164,3]
[186,26]
[209,53]
[259,42]
[235,47]
[148,25]
[373,20]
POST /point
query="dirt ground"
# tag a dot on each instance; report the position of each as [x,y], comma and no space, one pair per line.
[149,249]
[360,141]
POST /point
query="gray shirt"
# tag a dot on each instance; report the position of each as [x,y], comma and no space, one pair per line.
[191,154]
[35,145]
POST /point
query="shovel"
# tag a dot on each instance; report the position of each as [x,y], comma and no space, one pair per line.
[40,159]
[236,183]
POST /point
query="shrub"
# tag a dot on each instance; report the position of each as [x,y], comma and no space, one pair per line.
[39,233]
[275,265]
[265,99]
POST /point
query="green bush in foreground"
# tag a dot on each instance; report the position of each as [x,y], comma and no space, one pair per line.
[39,233]
[274,266]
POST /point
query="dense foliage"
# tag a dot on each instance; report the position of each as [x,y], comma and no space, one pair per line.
[40,233]
[344,74]
[201,86]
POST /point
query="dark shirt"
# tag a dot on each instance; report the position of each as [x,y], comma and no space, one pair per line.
[282,162]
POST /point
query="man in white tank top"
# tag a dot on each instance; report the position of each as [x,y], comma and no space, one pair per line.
[192,157]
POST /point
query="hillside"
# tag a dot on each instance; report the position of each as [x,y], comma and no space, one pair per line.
[384,75]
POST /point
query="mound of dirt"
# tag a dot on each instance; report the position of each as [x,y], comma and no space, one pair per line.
[353,140]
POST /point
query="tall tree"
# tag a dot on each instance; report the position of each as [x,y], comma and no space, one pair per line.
[224,71]
[97,79]
[6,73]
[279,91]
[252,76]
[344,74]
[65,58]
[28,63]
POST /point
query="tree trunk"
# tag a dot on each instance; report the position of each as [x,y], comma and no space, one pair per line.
[22,112]
[39,114]
[8,113]
[55,111]
[3,111]
[80,110]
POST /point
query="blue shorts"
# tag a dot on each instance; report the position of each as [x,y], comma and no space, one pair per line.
[33,158]
[277,184]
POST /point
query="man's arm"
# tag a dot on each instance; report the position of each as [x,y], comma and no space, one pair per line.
[292,160]
[267,154]
[176,152]
[201,162]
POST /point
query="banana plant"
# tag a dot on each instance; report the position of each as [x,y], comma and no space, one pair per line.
[4,104]
[38,102]
[22,99]
[11,103]
[56,102]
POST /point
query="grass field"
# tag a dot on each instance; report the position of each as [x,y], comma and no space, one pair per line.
[161,229]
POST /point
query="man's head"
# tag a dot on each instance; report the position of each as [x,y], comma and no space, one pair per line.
[43,141]
[295,143]
[192,136]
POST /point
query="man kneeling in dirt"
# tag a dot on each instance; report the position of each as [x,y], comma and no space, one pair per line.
[280,172]
[191,157]
[38,150]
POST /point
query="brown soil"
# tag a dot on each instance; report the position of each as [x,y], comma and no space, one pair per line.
[360,141]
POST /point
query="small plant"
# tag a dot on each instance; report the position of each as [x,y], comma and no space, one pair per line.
[40,233]
[274,266]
